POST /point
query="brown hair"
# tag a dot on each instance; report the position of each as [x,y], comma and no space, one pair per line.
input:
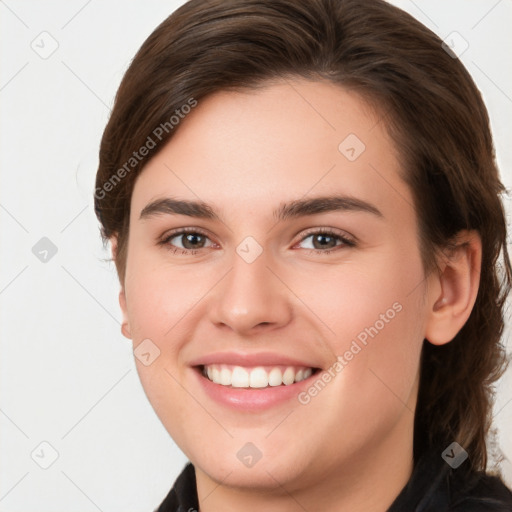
[433,112]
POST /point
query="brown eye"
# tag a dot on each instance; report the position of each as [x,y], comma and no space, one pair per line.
[322,241]
[192,240]
[325,241]
[186,240]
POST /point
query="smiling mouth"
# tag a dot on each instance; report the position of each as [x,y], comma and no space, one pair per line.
[257,377]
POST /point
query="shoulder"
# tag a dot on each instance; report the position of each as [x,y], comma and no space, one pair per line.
[479,492]
[183,495]
[436,487]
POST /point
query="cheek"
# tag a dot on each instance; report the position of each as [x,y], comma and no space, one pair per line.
[160,296]
[387,339]
[359,292]
[373,320]
[158,301]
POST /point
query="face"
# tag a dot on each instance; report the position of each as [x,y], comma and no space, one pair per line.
[299,288]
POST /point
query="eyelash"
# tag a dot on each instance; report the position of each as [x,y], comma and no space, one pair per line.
[346,241]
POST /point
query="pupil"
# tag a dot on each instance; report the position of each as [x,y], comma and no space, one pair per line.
[322,238]
[190,239]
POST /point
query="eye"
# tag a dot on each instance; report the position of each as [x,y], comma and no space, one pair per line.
[187,240]
[325,241]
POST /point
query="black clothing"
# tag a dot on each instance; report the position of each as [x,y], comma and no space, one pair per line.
[433,487]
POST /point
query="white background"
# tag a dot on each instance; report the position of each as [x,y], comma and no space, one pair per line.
[67,375]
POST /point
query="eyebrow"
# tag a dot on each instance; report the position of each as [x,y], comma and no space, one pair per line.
[292,209]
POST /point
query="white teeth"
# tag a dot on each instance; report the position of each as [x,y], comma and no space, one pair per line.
[224,377]
[258,377]
[239,377]
[275,377]
[288,376]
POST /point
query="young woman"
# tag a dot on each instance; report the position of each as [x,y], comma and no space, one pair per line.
[305,217]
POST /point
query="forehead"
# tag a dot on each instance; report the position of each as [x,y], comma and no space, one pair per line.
[251,150]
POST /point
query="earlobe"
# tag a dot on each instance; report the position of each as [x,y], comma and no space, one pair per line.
[113,243]
[452,300]
[125,326]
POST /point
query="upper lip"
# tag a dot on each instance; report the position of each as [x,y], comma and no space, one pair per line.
[254,359]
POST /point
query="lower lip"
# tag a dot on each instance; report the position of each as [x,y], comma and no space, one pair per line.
[252,399]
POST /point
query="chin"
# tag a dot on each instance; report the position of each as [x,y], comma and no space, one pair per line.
[234,467]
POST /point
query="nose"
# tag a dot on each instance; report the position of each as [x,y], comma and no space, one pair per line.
[251,297]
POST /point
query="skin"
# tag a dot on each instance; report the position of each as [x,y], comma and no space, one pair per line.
[244,153]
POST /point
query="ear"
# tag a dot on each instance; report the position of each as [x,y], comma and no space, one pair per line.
[453,291]
[125,326]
